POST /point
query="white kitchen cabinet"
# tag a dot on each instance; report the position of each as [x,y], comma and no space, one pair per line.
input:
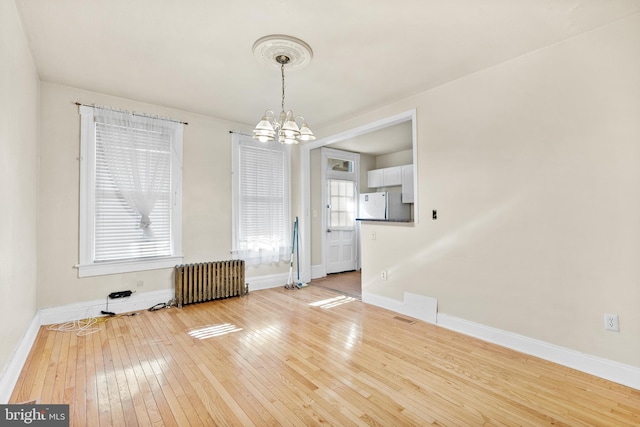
[375,178]
[407,184]
[386,177]
[392,176]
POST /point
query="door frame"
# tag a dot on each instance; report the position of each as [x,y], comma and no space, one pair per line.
[305,178]
[327,153]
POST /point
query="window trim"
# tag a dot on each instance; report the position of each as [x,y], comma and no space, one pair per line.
[87,267]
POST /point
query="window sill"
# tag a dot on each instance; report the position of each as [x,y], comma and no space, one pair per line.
[104,268]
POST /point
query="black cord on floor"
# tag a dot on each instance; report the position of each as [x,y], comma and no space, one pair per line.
[158,306]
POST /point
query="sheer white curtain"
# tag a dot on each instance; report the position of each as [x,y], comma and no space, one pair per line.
[136,152]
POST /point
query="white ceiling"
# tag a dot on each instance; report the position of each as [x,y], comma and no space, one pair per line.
[195,55]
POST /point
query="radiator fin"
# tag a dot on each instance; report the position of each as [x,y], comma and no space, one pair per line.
[209,281]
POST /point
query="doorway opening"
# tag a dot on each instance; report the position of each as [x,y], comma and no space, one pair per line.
[317,212]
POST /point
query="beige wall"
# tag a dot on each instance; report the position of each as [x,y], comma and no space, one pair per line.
[399,158]
[367,163]
[206,224]
[18,182]
[316,206]
[534,168]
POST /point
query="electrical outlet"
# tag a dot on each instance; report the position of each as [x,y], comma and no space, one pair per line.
[383,274]
[373,235]
[611,322]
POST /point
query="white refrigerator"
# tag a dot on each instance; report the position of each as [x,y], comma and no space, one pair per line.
[383,206]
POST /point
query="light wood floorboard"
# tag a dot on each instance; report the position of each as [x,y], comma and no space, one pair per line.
[285,357]
[347,283]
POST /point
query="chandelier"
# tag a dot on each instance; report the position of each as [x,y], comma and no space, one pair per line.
[280,50]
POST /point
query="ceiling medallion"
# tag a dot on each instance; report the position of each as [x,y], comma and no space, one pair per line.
[268,48]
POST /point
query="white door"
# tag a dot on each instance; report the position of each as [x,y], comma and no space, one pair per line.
[341,226]
[340,176]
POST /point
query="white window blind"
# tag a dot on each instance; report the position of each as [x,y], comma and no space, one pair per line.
[130,192]
[261,201]
[118,230]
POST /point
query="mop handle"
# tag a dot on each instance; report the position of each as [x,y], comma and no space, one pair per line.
[297,250]
[293,239]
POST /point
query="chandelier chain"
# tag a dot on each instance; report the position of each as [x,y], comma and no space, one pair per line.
[282,72]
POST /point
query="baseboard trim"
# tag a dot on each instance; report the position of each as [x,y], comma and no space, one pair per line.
[318,271]
[86,309]
[417,306]
[607,369]
[257,283]
[12,370]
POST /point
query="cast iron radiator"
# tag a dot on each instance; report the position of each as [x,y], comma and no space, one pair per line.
[209,281]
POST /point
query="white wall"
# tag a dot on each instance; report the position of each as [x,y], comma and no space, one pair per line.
[206,200]
[18,182]
[534,168]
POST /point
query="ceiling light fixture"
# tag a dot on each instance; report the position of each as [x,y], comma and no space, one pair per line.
[280,50]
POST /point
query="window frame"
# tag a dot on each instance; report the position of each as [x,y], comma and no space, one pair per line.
[87,266]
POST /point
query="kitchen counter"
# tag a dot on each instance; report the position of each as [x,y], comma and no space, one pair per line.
[404,221]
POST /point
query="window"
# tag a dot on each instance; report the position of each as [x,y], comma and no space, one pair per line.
[339,165]
[130,192]
[261,215]
[342,204]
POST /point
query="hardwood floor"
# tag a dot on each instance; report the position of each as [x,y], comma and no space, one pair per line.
[305,357]
[348,283]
